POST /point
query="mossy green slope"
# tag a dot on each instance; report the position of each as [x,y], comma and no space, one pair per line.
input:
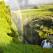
[4,23]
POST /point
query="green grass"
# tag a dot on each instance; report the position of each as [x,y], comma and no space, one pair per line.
[23,48]
[4,24]
[42,11]
[35,12]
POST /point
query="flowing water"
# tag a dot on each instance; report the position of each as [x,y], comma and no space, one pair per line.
[16,16]
[16,13]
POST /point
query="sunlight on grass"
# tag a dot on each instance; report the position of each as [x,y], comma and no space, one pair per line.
[4,25]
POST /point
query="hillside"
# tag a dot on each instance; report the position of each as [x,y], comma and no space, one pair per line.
[5,23]
[7,45]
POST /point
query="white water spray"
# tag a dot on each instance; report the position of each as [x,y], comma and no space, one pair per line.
[15,12]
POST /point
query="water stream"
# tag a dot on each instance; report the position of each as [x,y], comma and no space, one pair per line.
[15,12]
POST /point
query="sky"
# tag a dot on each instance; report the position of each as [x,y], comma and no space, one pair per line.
[40,1]
[32,1]
[16,3]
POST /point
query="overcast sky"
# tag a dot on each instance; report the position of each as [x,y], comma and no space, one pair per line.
[14,3]
[32,1]
[40,1]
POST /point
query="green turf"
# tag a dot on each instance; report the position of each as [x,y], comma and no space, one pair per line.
[23,48]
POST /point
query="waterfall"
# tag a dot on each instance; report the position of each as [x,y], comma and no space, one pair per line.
[16,16]
[15,12]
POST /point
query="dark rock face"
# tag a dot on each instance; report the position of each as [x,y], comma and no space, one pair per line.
[31,36]
[36,38]
[32,29]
